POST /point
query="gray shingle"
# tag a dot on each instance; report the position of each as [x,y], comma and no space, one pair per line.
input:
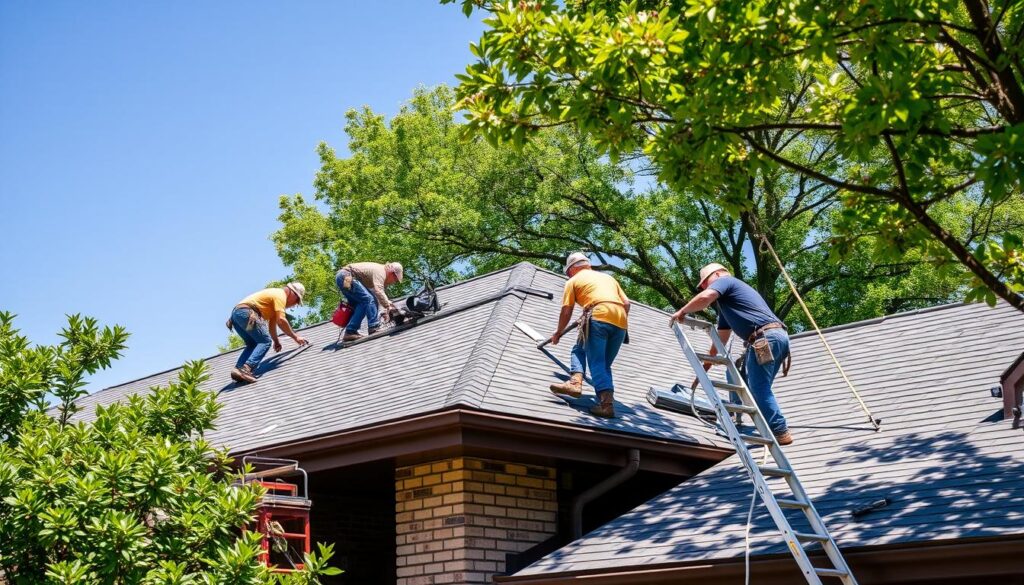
[475,359]
[948,473]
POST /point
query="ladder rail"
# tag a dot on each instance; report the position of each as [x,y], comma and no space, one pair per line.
[743,451]
[781,460]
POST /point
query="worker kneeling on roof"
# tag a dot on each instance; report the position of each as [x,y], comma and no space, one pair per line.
[602,330]
[356,281]
[742,310]
[255,319]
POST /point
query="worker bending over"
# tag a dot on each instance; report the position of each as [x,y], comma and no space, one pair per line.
[255,319]
[602,330]
[742,310]
[356,282]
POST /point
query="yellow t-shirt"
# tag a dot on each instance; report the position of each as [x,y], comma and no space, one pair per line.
[270,301]
[590,286]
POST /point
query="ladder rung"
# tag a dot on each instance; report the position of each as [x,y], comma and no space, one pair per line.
[831,572]
[811,537]
[786,503]
[696,323]
[776,471]
[714,359]
[723,385]
[740,408]
[756,439]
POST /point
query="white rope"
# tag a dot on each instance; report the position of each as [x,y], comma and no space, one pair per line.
[877,423]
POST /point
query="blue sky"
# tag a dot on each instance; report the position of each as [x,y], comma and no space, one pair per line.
[144,146]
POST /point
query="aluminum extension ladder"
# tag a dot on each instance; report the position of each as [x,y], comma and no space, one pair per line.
[760,474]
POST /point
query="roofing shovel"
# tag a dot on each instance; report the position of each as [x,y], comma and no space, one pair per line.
[540,339]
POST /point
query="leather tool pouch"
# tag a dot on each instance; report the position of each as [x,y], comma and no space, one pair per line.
[763,351]
[584,322]
[254,319]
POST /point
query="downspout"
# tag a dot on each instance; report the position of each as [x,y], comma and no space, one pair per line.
[618,478]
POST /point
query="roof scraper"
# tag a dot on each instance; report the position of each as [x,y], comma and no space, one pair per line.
[540,339]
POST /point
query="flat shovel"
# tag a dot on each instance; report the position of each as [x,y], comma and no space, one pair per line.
[540,339]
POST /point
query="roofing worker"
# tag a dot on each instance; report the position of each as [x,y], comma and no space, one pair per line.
[356,283]
[255,319]
[602,330]
[742,310]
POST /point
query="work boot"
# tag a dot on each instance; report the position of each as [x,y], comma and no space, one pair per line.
[373,330]
[606,407]
[243,375]
[784,438]
[571,387]
[351,336]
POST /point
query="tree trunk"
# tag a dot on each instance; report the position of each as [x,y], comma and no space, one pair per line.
[1011,105]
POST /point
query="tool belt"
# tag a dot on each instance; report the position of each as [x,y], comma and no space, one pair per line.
[584,321]
[763,350]
[254,317]
[760,331]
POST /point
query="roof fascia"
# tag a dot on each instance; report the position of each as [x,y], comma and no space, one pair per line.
[455,428]
[918,562]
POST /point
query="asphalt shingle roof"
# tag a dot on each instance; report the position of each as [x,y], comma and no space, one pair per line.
[474,359]
[949,464]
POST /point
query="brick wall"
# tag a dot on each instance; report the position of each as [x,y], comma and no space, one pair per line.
[456,519]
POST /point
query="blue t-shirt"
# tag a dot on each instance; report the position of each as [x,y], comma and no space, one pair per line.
[739,306]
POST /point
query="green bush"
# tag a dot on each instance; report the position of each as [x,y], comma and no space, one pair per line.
[137,495]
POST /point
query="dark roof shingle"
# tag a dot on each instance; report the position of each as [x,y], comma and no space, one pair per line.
[949,464]
[474,359]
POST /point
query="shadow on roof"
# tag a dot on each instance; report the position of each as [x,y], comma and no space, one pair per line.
[956,490]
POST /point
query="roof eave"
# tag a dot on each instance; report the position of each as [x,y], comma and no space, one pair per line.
[462,428]
[917,561]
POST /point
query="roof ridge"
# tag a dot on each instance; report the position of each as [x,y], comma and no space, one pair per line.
[474,379]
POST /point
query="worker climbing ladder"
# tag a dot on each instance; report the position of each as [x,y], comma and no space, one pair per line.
[760,474]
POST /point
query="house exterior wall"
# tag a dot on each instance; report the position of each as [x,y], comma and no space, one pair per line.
[457,518]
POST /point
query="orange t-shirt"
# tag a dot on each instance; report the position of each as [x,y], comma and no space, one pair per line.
[270,301]
[588,287]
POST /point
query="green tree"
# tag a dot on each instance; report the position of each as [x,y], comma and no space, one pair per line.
[136,496]
[414,189]
[920,103]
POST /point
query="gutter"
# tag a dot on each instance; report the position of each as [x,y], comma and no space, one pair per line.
[610,482]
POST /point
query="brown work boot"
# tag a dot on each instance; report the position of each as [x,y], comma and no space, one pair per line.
[351,337]
[606,407]
[243,375]
[571,387]
[373,330]
[784,438]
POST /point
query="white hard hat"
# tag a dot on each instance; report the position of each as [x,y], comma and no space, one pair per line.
[298,289]
[709,270]
[575,258]
[396,267]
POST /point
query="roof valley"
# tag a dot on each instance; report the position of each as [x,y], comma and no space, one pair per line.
[471,386]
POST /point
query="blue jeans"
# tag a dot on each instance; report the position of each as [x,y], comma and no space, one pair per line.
[257,341]
[364,304]
[600,349]
[760,379]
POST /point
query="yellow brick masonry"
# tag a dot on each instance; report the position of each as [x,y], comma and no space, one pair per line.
[458,518]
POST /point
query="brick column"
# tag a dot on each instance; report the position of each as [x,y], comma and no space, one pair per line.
[458,518]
